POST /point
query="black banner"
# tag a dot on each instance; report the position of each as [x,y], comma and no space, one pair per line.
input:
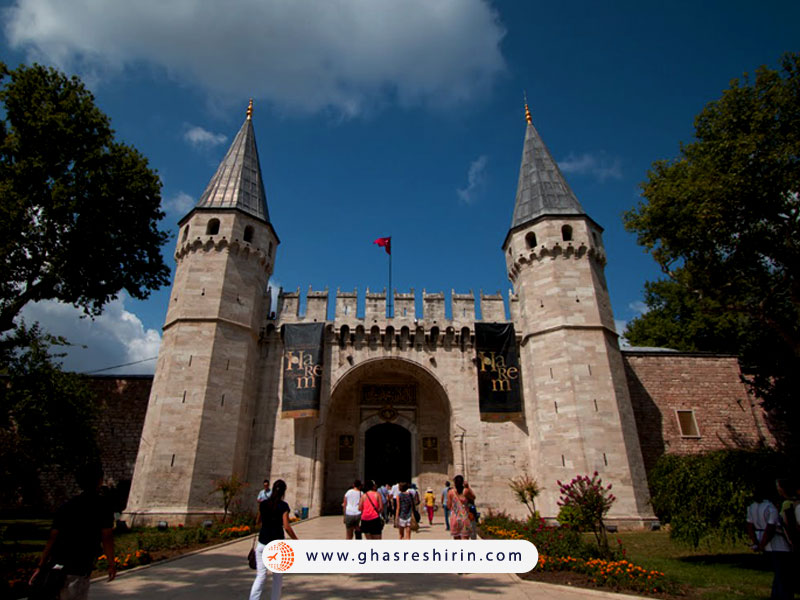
[302,369]
[498,372]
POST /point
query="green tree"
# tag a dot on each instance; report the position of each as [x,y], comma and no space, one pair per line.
[79,211]
[723,222]
[704,497]
[47,419]
[526,490]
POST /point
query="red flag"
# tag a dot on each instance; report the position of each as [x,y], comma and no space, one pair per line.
[386,243]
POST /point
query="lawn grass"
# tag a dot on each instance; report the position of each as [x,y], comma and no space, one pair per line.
[715,571]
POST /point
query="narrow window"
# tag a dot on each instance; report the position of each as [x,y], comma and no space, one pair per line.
[184,397]
[269,252]
[185,233]
[687,423]
[595,405]
[563,462]
[172,462]
[248,234]
[555,404]
[605,459]
[222,402]
[595,238]
[566,233]
[213,227]
[530,239]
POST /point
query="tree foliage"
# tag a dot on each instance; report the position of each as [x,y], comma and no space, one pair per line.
[79,210]
[47,419]
[230,488]
[704,497]
[723,222]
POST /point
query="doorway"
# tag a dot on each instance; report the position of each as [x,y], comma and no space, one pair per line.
[387,454]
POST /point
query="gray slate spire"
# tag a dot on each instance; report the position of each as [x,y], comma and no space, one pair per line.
[542,189]
[238,182]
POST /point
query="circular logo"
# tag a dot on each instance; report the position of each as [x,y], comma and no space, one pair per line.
[278,556]
[388,413]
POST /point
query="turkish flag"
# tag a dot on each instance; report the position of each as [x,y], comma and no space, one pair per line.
[386,243]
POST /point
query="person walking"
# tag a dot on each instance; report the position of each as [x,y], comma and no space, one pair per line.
[766,535]
[274,516]
[370,506]
[404,516]
[384,492]
[444,506]
[352,514]
[80,527]
[430,503]
[459,498]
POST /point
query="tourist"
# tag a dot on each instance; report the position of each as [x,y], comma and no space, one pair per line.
[766,535]
[370,506]
[414,493]
[458,500]
[384,492]
[473,513]
[352,515]
[404,514]
[430,503]
[264,493]
[79,528]
[274,516]
[393,494]
[444,506]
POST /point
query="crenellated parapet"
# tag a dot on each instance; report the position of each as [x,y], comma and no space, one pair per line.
[213,243]
[556,251]
[369,309]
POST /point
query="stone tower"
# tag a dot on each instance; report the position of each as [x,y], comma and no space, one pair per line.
[202,402]
[577,405]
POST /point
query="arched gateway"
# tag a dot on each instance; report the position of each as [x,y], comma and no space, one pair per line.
[389,420]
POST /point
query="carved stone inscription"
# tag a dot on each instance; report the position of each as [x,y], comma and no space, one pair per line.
[389,394]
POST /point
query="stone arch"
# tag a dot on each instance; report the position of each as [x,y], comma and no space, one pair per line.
[385,390]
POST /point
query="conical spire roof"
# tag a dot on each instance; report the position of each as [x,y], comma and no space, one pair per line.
[542,189]
[238,182]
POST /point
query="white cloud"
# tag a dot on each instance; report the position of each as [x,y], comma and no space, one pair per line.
[475,178]
[639,307]
[345,55]
[199,137]
[621,325]
[600,166]
[180,203]
[114,338]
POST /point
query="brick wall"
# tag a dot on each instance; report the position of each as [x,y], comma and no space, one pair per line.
[121,422]
[662,383]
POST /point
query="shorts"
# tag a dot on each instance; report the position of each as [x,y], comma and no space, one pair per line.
[404,522]
[372,527]
[351,521]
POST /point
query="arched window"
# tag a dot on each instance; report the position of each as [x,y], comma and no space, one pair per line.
[185,233]
[566,233]
[530,239]
[213,227]
[248,234]
[269,252]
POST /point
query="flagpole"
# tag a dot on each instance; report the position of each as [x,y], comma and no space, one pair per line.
[391,295]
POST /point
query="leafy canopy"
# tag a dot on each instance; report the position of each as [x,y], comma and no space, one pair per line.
[79,210]
[723,222]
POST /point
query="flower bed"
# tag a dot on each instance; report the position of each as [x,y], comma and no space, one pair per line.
[562,549]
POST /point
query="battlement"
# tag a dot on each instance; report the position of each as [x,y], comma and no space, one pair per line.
[370,308]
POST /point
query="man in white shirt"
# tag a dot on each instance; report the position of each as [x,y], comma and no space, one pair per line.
[264,493]
[766,534]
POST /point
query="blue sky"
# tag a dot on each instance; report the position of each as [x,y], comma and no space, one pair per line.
[393,118]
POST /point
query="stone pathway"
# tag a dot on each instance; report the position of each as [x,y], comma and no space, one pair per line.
[222,572]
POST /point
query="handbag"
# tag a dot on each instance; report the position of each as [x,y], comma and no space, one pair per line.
[48,583]
[380,516]
[252,560]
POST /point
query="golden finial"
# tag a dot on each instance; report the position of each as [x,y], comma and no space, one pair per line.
[527,110]
[250,110]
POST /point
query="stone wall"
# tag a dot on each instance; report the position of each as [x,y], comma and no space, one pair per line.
[663,383]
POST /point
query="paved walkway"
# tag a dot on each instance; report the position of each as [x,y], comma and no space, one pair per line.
[222,572]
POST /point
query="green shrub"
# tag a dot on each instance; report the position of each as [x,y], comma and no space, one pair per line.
[705,496]
[584,502]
